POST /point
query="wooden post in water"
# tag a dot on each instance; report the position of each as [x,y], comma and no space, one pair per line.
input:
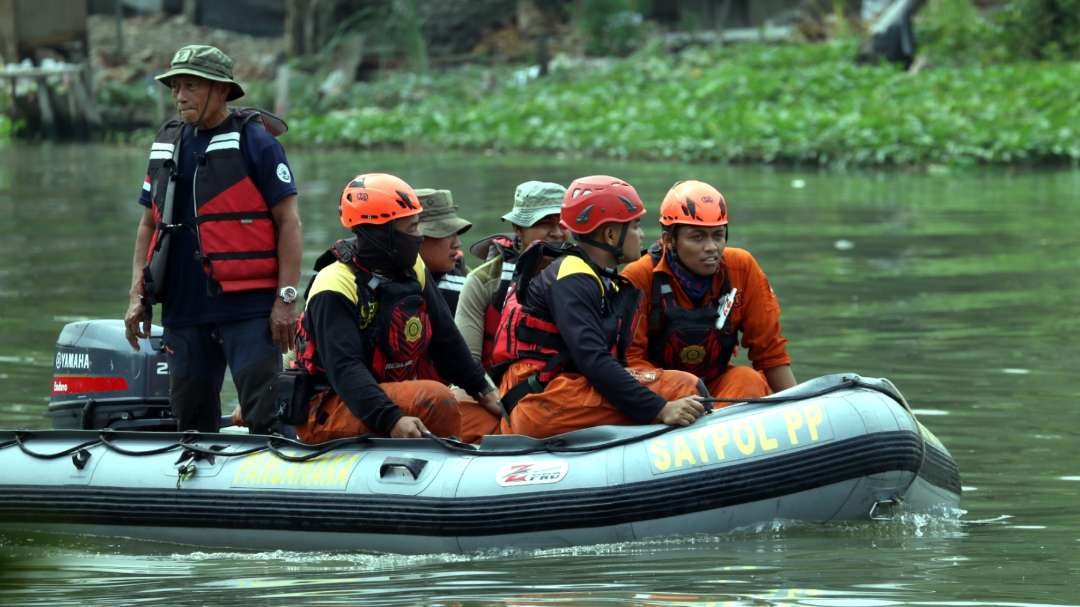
[48,118]
[56,107]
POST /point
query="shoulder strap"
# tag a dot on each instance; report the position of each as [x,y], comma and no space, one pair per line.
[528,265]
[273,124]
[661,288]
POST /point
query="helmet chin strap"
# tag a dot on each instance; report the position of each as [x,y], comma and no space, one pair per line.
[206,105]
[616,250]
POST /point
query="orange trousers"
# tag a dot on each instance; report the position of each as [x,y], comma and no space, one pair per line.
[431,401]
[739,382]
[570,402]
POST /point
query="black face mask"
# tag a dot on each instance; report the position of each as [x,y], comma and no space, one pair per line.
[384,250]
[406,249]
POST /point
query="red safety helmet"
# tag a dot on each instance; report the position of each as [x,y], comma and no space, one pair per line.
[693,203]
[592,201]
[375,199]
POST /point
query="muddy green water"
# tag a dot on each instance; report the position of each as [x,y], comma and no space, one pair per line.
[962,288]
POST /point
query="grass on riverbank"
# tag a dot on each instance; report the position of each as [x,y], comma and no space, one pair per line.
[801,103]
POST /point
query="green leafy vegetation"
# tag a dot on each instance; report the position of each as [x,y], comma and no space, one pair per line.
[957,32]
[800,103]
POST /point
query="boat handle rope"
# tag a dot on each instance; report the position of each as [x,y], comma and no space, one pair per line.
[66,452]
[103,440]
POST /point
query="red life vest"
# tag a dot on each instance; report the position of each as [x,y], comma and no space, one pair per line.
[525,333]
[233,226]
[687,339]
[392,317]
[493,309]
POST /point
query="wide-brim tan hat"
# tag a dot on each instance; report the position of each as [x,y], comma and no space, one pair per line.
[204,61]
[533,201]
[439,218]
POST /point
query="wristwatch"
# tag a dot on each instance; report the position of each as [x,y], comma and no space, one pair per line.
[287,294]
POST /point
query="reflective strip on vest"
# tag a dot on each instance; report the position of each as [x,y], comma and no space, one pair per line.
[225,141]
[452,282]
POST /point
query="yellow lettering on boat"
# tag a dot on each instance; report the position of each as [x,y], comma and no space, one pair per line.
[767,442]
[720,438]
[748,436]
[814,416]
[703,453]
[744,437]
[267,470]
[661,459]
[794,421]
[682,452]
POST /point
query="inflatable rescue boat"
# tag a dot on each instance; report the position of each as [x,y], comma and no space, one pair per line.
[836,448]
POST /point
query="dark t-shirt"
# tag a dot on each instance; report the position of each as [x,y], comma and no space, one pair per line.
[188,301]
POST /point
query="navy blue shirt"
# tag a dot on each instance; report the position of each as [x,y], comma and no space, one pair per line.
[188,301]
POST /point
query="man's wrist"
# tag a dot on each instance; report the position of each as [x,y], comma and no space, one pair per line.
[287,294]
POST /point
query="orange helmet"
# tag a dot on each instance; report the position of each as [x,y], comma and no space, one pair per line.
[694,203]
[592,201]
[375,199]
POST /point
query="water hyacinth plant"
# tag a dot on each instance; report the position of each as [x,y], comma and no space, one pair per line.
[797,103]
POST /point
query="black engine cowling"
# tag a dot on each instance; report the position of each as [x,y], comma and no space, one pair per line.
[100,382]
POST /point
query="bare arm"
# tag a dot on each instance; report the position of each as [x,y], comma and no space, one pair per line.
[780,378]
[136,319]
[289,251]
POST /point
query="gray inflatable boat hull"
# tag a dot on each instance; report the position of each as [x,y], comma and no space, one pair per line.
[838,448]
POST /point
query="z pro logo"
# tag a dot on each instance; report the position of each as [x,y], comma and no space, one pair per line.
[531,473]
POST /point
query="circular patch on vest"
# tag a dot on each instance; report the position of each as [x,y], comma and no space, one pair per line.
[692,355]
[283,173]
[413,329]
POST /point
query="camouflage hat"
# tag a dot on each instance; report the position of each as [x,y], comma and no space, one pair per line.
[439,218]
[533,201]
[205,62]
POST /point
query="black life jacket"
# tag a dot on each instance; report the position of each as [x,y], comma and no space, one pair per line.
[450,284]
[392,317]
[687,339]
[234,228]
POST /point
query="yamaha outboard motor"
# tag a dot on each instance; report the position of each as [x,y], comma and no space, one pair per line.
[100,382]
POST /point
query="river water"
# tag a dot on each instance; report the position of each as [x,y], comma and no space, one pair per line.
[961,287]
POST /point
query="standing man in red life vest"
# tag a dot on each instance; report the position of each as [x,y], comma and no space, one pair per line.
[234,245]
[534,217]
[373,315]
[565,328]
[701,295]
[442,229]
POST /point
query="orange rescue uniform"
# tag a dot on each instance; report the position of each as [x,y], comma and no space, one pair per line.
[755,315]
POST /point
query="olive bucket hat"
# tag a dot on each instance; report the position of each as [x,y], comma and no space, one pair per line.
[205,62]
[439,218]
[533,201]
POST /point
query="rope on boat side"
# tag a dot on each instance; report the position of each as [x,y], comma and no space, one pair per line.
[552,445]
[66,452]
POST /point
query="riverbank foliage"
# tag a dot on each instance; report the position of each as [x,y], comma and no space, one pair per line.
[797,103]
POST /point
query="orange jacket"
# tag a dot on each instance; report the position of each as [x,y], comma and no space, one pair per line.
[756,314]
